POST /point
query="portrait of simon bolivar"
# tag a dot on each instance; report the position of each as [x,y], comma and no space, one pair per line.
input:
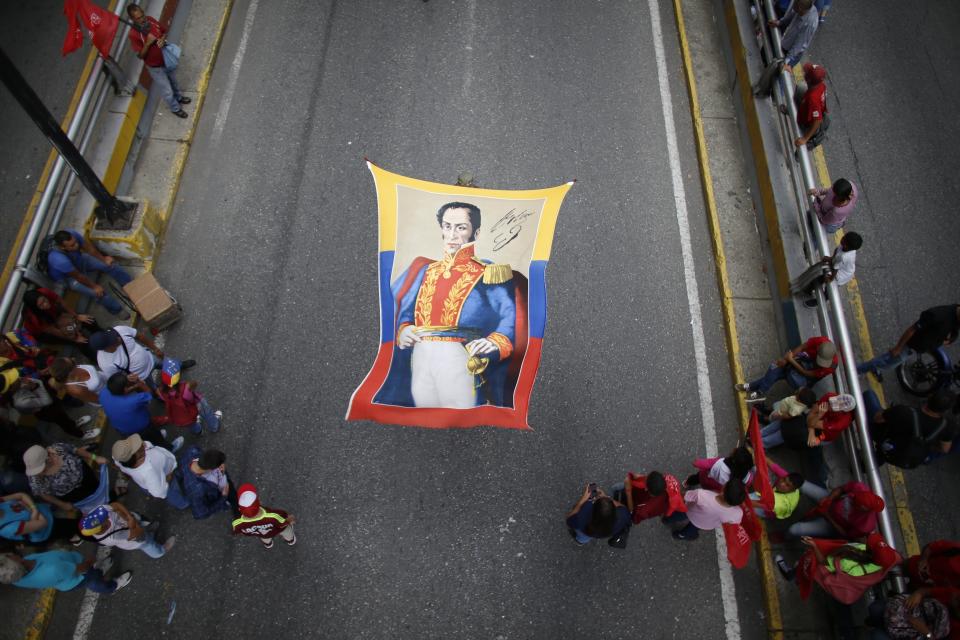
[460,315]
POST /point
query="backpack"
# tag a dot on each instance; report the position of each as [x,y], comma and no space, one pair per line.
[909,452]
[43,254]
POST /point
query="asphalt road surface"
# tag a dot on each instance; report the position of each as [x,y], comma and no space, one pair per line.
[31,34]
[895,133]
[406,532]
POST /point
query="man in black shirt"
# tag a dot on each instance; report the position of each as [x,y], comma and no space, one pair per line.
[905,436]
[936,326]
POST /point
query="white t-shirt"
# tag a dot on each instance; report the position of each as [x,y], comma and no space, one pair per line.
[141,361]
[118,534]
[845,263]
[151,476]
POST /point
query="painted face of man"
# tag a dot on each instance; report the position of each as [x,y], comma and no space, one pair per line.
[457,230]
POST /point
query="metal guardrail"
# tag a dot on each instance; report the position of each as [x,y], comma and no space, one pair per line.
[830,309]
[81,127]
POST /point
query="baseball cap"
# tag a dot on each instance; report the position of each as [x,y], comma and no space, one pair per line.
[814,73]
[843,402]
[103,339]
[825,354]
[124,449]
[170,373]
[35,459]
[93,522]
[883,554]
[868,501]
[247,500]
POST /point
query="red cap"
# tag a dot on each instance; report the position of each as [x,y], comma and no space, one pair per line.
[814,73]
[868,501]
[248,500]
[883,554]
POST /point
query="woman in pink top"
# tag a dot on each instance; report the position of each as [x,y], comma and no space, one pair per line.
[708,510]
[835,204]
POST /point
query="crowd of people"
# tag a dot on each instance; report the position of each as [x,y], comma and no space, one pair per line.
[56,490]
[840,547]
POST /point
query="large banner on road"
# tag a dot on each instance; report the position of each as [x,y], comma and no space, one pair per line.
[462,303]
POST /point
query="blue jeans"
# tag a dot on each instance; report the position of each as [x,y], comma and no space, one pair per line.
[774,374]
[815,527]
[93,580]
[151,547]
[884,361]
[833,227]
[772,437]
[165,81]
[208,418]
[175,495]
[88,265]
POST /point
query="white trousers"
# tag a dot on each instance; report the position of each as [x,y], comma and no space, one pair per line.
[440,376]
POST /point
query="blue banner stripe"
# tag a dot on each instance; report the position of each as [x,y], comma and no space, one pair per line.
[386,297]
[537,298]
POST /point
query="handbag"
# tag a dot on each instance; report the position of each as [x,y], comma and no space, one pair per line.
[171,56]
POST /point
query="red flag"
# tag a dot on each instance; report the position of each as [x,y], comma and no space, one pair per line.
[74,37]
[101,24]
[762,483]
[740,537]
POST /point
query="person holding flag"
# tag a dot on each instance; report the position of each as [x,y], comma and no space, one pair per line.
[148,40]
[101,24]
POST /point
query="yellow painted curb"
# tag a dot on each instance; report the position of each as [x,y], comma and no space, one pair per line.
[41,617]
[128,132]
[771,597]
[908,527]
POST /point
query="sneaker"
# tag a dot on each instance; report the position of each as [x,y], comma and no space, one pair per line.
[163,432]
[123,580]
[168,544]
[786,571]
[218,422]
[292,541]
[268,543]
[189,363]
[186,100]
[83,420]
[755,396]
[176,445]
[91,434]
[678,535]
[180,113]
[76,541]
[742,386]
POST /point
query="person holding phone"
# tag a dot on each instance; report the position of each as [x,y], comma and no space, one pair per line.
[596,515]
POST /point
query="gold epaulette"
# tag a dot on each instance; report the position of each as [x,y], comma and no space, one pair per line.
[497,273]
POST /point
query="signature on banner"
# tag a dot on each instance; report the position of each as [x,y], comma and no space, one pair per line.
[509,227]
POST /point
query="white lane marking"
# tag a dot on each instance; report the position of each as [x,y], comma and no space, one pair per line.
[89,605]
[727,592]
[227,99]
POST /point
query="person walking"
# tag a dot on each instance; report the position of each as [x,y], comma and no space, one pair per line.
[152,468]
[597,515]
[185,406]
[264,523]
[60,570]
[123,349]
[74,260]
[936,327]
[708,510]
[148,41]
[838,267]
[206,485]
[834,205]
[113,525]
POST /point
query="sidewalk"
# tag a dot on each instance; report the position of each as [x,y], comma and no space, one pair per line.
[146,158]
[757,251]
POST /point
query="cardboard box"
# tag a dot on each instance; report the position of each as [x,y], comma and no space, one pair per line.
[154,303]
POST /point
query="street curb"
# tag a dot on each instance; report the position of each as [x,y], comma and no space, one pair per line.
[908,529]
[37,627]
[771,599]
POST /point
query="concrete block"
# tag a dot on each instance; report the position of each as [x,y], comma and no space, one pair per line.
[137,244]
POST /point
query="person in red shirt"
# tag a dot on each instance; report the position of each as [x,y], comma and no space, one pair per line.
[812,105]
[147,41]
[265,523]
[847,512]
[655,494]
[800,367]
[937,566]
